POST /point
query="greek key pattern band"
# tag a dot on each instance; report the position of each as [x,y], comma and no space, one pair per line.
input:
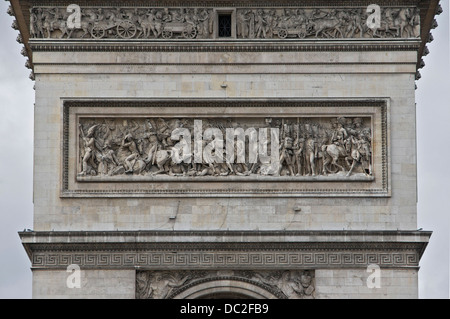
[226,260]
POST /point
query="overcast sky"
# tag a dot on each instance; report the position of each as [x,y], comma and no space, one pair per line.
[16,161]
[433,132]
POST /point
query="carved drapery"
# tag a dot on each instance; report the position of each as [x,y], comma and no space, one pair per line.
[189,23]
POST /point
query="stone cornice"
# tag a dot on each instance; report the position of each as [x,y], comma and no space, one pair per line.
[429,9]
[224,249]
[228,46]
[223,236]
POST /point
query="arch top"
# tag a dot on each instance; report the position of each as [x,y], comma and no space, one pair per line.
[242,284]
[225,288]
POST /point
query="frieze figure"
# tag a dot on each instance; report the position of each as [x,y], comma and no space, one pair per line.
[157,285]
[293,284]
[89,151]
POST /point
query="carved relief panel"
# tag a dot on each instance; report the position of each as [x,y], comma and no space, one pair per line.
[300,148]
[213,148]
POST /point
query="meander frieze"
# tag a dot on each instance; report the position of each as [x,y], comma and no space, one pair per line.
[255,250]
[224,259]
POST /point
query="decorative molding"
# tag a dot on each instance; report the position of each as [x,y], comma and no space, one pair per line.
[232,46]
[235,250]
[227,256]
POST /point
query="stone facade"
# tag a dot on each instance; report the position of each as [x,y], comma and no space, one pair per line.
[109,197]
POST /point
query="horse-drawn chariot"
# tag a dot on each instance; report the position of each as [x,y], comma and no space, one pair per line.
[124,29]
[187,30]
[300,31]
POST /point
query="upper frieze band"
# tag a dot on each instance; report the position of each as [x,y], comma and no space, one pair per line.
[213,23]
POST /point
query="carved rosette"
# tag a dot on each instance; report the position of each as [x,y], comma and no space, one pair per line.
[197,23]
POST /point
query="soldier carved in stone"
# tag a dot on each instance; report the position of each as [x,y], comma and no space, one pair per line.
[89,151]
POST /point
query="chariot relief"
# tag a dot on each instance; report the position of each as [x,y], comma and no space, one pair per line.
[123,23]
[326,23]
[201,23]
[225,147]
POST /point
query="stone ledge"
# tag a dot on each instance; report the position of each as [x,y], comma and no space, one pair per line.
[225,46]
[225,250]
[239,179]
[143,236]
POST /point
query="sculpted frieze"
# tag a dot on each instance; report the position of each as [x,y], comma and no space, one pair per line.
[122,23]
[327,23]
[295,148]
[203,23]
[217,148]
[286,284]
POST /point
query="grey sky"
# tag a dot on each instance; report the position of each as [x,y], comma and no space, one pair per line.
[433,130]
[16,161]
